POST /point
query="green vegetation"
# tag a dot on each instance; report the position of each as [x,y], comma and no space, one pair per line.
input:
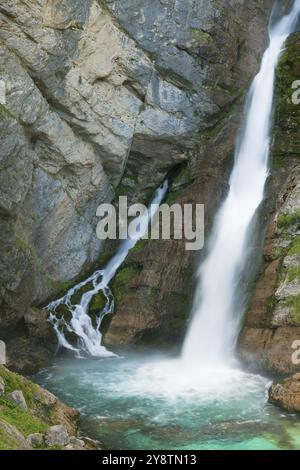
[180,181]
[201,36]
[17,382]
[294,249]
[122,280]
[7,442]
[287,118]
[23,421]
[286,220]
[139,246]
[294,304]
[4,113]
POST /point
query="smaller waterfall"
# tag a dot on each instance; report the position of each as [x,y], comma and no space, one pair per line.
[89,336]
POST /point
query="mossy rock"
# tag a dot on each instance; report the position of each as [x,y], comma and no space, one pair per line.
[201,36]
[5,114]
[294,304]
[287,220]
[122,280]
[287,115]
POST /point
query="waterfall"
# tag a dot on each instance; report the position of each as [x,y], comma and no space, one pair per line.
[89,336]
[215,322]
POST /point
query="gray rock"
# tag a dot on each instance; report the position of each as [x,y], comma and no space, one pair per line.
[2,386]
[288,289]
[291,261]
[18,399]
[57,436]
[74,441]
[36,439]
[75,444]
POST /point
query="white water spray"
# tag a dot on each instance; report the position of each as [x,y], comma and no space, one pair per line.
[214,328]
[89,336]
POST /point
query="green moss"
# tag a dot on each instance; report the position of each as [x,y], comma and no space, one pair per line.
[173,196]
[295,246]
[98,303]
[286,220]
[122,280]
[25,247]
[4,113]
[294,304]
[287,115]
[201,36]
[293,272]
[123,189]
[180,181]
[139,246]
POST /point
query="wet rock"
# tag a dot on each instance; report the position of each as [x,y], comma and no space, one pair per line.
[75,444]
[286,394]
[18,399]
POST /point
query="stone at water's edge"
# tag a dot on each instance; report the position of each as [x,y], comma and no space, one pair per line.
[286,394]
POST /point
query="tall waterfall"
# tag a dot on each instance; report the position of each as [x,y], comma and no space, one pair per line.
[89,336]
[215,323]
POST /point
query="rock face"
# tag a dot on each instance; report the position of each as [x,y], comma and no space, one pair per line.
[286,394]
[153,288]
[105,95]
[273,321]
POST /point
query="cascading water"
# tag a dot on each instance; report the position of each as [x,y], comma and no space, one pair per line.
[89,336]
[215,324]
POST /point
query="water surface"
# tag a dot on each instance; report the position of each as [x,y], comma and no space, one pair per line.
[148,403]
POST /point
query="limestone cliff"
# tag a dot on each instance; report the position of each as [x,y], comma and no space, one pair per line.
[154,287]
[105,98]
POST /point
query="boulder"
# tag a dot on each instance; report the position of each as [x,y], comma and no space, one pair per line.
[75,444]
[57,436]
[18,399]
[286,394]
[36,439]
